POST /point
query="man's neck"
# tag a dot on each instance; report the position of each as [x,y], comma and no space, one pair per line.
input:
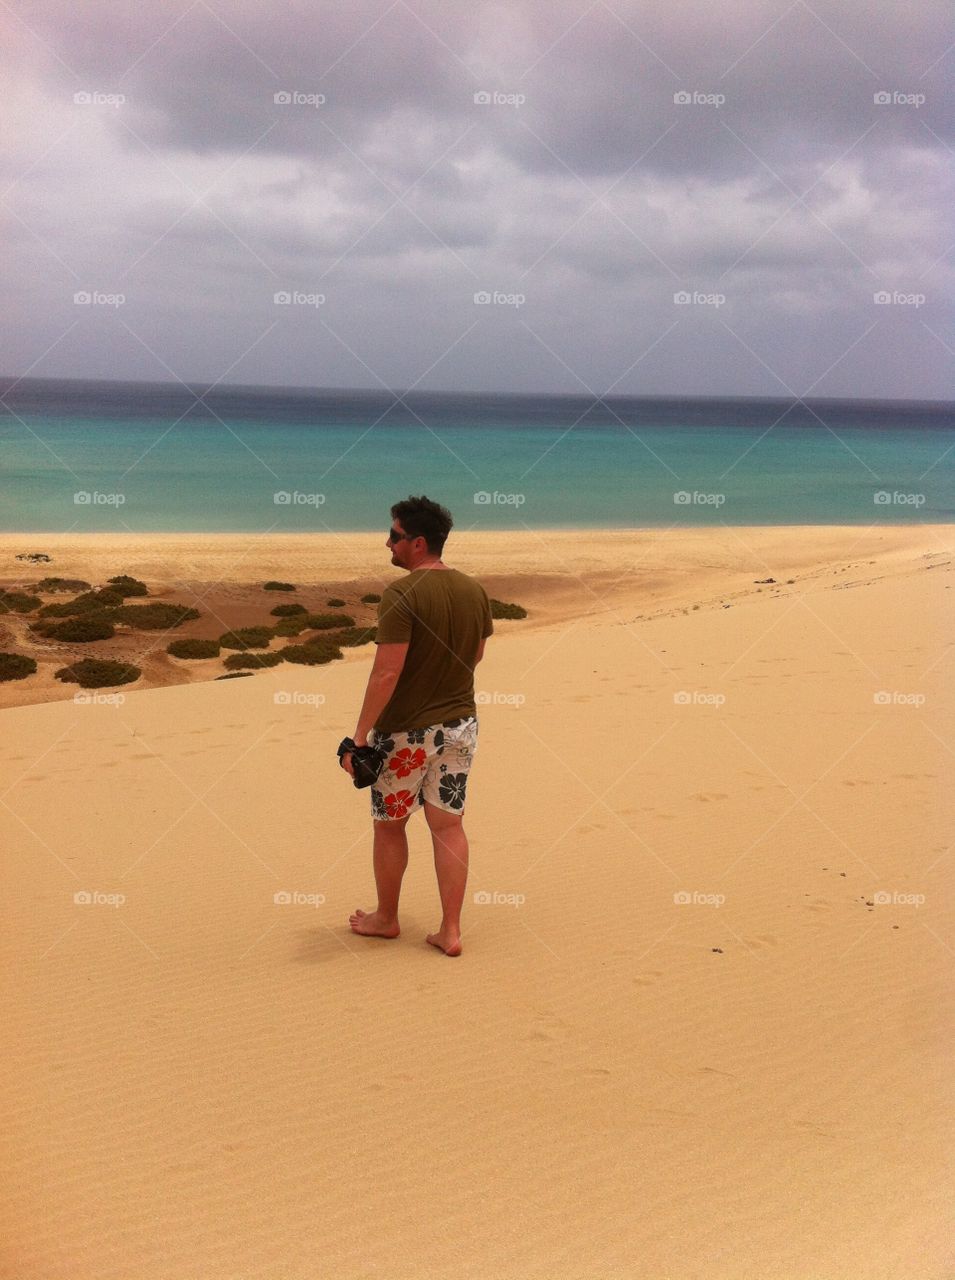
[430,564]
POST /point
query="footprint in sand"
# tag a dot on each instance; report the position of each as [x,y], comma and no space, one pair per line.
[706,796]
[762,940]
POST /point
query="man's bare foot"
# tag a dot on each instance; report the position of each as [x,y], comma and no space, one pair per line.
[371,925]
[446,941]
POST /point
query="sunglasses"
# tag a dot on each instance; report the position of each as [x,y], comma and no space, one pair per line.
[395,536]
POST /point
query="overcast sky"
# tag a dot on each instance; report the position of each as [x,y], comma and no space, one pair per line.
[542,153]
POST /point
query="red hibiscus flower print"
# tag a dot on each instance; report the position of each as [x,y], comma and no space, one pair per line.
[398,804]
[405,761]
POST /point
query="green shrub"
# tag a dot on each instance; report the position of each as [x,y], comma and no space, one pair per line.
[127,586]
[334,603]
[351,637]
[18,602]
[158,616]
[97,673]
[501,610]
[235,675]
[89,601]
[83,629]
[288,610]
[327,621]
[50,585]
[289,626]
[247,638]
[279,586]
[16,666]
[371,598]
[193,648]
[311,655]
[236,661]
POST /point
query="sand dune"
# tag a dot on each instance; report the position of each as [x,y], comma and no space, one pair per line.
[701,1027]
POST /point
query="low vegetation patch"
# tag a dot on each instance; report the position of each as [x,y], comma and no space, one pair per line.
[98,673]
[158,616]
[237,661]
[352,637]
[83,629]
[334,603]
[311,655]
[279,586]
[500,609]
[18,602]
[127,586]
[247,638]
[371,598]
[88,602]
[193,648]
[52,585]
[234,675]
[290,626]
[327,621]
[288,610]
[16,666]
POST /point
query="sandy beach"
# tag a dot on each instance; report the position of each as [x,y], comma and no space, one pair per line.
[701,1028]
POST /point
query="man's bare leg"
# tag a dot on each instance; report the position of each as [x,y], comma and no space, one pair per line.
[391,859]
[451,866]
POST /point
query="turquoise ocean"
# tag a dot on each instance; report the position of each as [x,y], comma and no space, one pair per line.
[153,457]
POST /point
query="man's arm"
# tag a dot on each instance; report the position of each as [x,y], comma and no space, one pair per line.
[480,652]
[389,661]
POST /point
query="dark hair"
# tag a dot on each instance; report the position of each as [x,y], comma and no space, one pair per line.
[422,518]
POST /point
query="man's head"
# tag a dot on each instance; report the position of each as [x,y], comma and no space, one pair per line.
[424,526]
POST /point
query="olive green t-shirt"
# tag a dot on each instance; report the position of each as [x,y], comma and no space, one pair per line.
[443,614]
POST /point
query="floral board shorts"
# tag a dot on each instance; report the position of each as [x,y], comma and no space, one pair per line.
[424,764]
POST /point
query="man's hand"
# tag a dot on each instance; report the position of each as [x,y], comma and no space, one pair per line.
[347,764]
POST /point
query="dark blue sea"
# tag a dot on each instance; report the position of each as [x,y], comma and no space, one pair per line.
[157,457]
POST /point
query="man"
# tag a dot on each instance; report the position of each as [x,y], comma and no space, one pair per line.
[419,703]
